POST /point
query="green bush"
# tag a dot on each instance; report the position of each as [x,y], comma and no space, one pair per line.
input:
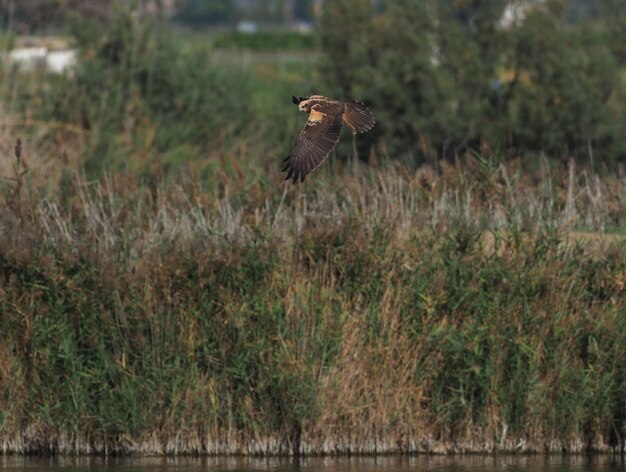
[446,77]
[139,87]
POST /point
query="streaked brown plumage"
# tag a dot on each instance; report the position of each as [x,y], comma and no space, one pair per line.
[321,132]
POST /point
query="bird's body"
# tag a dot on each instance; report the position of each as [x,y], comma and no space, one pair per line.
[321,132]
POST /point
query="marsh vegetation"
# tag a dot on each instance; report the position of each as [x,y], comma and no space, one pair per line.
[159,293]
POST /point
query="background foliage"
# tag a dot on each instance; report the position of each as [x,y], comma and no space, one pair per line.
[446,77]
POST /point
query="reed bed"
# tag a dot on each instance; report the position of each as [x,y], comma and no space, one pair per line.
[377,308]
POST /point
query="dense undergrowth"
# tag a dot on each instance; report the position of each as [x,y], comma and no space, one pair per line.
[377,309]
[162,292]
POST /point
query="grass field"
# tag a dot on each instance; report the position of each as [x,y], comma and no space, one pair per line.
[163,292]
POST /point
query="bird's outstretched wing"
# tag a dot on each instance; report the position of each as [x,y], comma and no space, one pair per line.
[358,117]
[316,140]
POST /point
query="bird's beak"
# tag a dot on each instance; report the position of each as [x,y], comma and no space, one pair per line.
[295,100]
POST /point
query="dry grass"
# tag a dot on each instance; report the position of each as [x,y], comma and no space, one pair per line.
[364,312]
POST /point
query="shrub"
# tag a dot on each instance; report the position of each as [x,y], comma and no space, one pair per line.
[139,87]
[445,77]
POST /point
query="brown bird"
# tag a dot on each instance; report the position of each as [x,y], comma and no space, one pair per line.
[321,132]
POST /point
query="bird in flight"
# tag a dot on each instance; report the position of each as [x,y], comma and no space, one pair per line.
[321,132]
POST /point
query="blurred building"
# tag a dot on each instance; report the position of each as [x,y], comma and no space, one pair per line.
[516,11]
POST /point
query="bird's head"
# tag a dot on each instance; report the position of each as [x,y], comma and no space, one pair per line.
[302,103]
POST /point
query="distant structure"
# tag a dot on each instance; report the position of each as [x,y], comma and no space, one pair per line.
[41,58]
[249,27]
[39,53]
[516,11]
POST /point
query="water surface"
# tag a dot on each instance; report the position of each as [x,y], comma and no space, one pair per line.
[423,463]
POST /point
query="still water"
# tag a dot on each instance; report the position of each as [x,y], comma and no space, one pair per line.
[555,463]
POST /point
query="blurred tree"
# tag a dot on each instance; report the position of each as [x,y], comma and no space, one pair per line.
[37,15]
[427,67]
[444,77]
[562,85]
[303,10]
[347,41]
[613,14]
[266,11]
[276,12]
[136,84]
[214,12]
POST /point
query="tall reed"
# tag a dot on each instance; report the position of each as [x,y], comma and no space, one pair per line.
[478,307]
